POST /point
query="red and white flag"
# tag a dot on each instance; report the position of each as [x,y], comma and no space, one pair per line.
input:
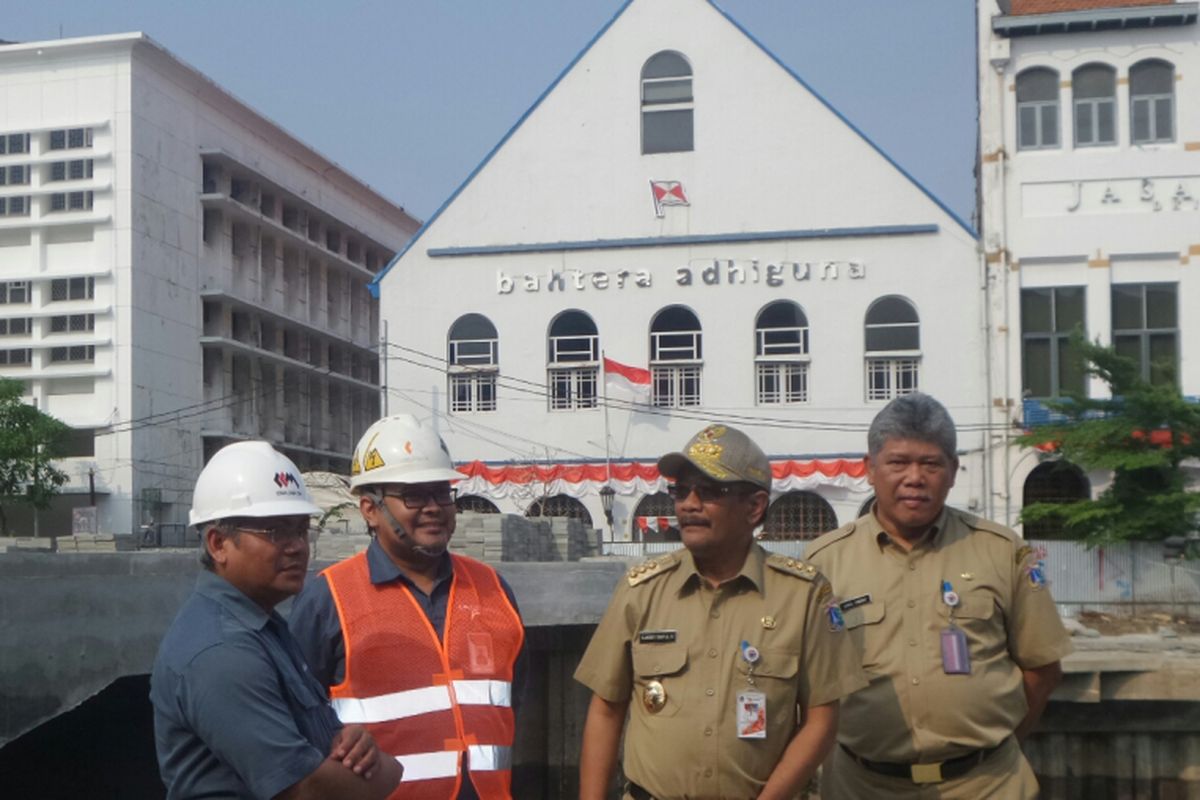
[633,380]
[667,193]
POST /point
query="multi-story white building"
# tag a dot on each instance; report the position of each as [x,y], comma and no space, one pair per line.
[176,272]
[680,201]
[1090,197]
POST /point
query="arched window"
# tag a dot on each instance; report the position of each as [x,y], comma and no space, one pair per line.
[476,504]
[799,515]
[1152,101]
[666,104]
[675,358]
[654,519]
[559,505]
[893,348]
[781,354]
[1053,482]
[474,359]
[1037,109]
[1095,91]
[572,361]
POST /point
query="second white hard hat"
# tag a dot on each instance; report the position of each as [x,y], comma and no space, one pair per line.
[399,449]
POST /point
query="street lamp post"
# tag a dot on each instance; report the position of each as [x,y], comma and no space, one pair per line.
[607,495]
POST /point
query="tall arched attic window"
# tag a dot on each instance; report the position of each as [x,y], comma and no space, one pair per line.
[1152,101]
[1037,109]
[893,348]
[666,104]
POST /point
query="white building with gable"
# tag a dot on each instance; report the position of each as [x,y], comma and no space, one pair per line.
[176,272]
[1090,196]
[681,202]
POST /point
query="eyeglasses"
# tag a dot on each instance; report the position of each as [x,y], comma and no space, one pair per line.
[414,498]
[279,534]
[707,492]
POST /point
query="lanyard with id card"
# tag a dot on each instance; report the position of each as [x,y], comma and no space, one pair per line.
[751,711]
[956,658]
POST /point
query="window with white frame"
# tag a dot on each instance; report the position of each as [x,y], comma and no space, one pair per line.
[76,353]
[77,170]
[893,349]
[16,175]
[72,289]
[70,138]
[1145,328]
[17,326]
[19,357]
[14,206]
[73,323]
[799,515]
[1049,367]
[675,358]
[667,110]
[71,201]
[474,364]
[1037,109]
[14,292]
[781,354]
[1152,101]
[1094,88]
[13,143]
[572,361]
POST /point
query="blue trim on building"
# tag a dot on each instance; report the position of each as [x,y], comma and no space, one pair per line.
[664,241]
[373,286]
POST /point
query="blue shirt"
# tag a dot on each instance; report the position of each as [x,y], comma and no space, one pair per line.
[315,623]
[236,714]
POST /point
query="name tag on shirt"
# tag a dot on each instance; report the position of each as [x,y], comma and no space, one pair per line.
[855,602]
[656,637]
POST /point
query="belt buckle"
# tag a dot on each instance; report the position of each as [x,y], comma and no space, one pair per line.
[927,773]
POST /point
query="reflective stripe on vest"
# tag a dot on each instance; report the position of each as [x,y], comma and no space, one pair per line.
[410,703]
[428,766]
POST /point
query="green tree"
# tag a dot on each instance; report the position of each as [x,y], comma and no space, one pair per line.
[1142,434]
[29,441]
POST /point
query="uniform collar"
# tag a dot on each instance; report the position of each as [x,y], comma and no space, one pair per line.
[382,569]
[931,539]
[752,570]
[232,600]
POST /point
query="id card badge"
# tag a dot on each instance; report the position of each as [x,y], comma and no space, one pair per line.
[956,658]
[751,715]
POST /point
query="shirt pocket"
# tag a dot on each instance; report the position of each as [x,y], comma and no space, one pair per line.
[975,614]
[665,663]
[865,626]
[775,675]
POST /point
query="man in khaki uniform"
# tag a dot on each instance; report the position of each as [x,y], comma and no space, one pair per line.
[959,636]
[714,648]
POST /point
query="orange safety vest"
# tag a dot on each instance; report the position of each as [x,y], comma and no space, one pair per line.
[427,702]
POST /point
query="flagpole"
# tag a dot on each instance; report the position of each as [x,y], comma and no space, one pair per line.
[607,451]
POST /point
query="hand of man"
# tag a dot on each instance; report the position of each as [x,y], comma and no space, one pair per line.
[356,749]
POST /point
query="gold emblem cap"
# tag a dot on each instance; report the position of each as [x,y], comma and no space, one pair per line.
[722,453]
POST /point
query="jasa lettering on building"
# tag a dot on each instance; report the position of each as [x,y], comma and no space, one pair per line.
[720,271]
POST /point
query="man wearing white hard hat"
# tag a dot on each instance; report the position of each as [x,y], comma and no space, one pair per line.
[236,713]
[422,646]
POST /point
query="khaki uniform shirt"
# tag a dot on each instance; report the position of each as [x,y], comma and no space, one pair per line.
[666,624]
[895,612]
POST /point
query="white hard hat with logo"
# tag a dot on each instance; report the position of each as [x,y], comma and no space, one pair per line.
[249,479]
[399,449]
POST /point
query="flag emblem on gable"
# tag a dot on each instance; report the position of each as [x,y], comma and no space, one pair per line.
[667,193]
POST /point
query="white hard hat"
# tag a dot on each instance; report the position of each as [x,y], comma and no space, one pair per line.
[249,479]
[398,449]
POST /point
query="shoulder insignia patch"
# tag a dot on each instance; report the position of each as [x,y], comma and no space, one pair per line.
[981,524]
[792,566]
[652,568]
[1023,553]
[826,539]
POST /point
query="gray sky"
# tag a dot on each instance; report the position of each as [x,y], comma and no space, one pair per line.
[410,95]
